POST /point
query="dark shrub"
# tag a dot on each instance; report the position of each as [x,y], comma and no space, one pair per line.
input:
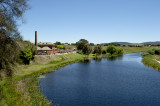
[157,52]
[120,51]
[104,52]
[152,52]
[26,56]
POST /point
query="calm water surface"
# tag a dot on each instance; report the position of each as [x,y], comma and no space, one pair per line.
[122,81]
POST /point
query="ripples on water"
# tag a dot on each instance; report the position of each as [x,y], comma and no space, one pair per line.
[121,81]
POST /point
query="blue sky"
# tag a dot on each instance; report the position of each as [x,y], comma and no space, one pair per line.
[98,21]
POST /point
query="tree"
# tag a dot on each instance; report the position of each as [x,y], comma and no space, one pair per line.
[111,49]
[91,44]
[81,43]
[104,52]
[10,12]
[157,51]
[86,49]
[152,51]
[60,47]
[97,50]
[119,51]
[74,44]
[116,51]
[57,43]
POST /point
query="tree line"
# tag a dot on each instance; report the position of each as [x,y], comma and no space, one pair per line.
[85,48]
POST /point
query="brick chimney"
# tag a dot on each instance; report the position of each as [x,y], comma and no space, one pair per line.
[36,38]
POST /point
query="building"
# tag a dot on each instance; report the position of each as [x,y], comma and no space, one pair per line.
[45,48]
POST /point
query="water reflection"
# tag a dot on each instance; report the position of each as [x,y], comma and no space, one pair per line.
[98,59]
[113,58]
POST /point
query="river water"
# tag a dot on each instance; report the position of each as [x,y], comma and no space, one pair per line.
[121,81]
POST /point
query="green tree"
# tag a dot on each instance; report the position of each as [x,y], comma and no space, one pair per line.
[57,43]
[157,51]
[152,51]
[74,44]
[104,52]
[120,51]
[86,49]
[60,47]
[91,44]
[97,50]
[81,43]
[10,12]
[111,49]
[26,56]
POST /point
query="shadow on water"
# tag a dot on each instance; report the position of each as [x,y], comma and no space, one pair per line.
[97,59]
[86,61]
[113,58]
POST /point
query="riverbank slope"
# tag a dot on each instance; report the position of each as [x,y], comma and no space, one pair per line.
[22,88]
[152,61]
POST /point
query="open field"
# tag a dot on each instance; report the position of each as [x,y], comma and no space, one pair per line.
[136,49]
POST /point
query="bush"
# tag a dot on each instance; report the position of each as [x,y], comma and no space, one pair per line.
[97,50]
[157,52]
[86,49]
[111,49]
[23,46]
[80,52]
[119,51]
[114,51]
[8,53]
[104,52]
[60,47]
[152,52]
[145,54]
[26,56]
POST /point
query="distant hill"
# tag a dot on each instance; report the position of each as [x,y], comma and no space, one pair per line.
[128,43]
[122,43]
[157,42]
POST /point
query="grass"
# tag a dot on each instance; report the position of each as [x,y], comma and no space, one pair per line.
[136,49]
[152,61]
[23,90]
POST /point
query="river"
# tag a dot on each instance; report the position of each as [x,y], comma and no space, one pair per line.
[121,81]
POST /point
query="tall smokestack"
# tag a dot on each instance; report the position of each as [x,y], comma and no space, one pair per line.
[35,38]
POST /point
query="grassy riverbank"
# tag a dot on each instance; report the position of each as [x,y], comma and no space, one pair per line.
[22,88]
[152,61]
